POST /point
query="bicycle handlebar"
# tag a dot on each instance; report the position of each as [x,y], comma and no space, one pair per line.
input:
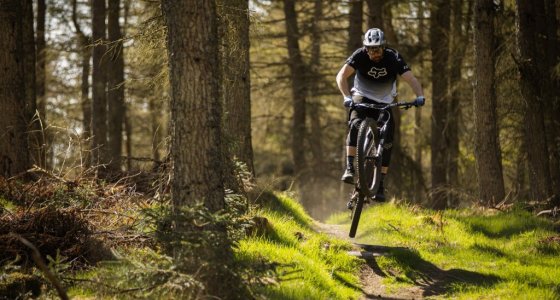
[404,105]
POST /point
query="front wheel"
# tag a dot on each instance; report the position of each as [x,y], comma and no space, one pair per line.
[369,155]
[356,213]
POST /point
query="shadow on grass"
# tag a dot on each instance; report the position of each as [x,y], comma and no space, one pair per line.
[504,225]
[432,280]
[485,249]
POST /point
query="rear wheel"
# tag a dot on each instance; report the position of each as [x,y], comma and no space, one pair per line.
[369,154]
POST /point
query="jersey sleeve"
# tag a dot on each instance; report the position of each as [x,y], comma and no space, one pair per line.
[402,65]
[399,62]
[352,60]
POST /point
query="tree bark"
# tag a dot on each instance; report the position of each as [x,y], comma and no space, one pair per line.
[197,138]
[41,77]
[41,60]
[418,179]
[355,32]
[553,102]
[196,111]
[236,83]
[14,151]
[375,14]
[35,136]
[459,38]
[316,140]
[84,44]
[355,24]
[487,145]
[115,82]
[99,84]
[298,73]
[530,51]
[439,33]
[316,201]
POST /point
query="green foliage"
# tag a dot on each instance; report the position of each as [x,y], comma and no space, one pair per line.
[138,273]
[295,261]
[18,285]
[190,260]
[464,254]
[15,283]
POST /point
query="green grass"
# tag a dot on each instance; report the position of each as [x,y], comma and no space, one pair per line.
[6,205]
[462,254]
[287,260]
[307,265]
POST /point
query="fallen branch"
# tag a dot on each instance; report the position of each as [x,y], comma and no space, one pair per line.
[43,267]
[553,212]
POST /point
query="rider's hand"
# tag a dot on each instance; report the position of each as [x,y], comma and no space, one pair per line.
[419,101]
[347,101]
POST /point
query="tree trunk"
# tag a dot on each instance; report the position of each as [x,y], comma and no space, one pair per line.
[99,84]
[454,113]
[41,60]
[553,103]
[115,82]
[84,44]
[418,180]
[298,73]
[390,33]
[35,136]
[316,202]
[530,50]
[41,78]
[356,21]
[487,145]
[315,139]
[355,32]
[14,151]
[195,107]
[236,89]
[440,52]
[196,116]
[375,14]
[459,38]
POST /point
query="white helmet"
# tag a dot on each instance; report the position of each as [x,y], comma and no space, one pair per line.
[374,37]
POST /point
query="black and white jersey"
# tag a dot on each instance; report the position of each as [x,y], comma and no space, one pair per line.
[377,80]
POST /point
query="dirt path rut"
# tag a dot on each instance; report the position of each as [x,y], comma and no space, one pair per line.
[371,274]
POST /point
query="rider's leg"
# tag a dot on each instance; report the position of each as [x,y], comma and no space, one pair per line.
[350,154]
[387,149]
[351,142]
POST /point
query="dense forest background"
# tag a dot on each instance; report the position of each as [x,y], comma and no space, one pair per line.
[150,124]
[99,93]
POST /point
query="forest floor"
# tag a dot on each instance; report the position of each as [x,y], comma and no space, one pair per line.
[371,275]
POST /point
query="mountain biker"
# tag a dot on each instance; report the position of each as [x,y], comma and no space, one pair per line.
[376,67]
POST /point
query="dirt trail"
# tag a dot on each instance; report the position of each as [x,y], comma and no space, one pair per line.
[371,275]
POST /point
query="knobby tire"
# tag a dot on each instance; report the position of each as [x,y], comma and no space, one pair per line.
[360,160]
[356,212]
[368,169]
[369,156]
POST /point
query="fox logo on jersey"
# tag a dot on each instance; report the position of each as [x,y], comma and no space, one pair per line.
[376,73]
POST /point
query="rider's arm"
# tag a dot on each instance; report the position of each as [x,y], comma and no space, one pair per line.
[342,79]
[413,83]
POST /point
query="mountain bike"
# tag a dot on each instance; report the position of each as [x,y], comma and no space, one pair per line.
[371,139]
